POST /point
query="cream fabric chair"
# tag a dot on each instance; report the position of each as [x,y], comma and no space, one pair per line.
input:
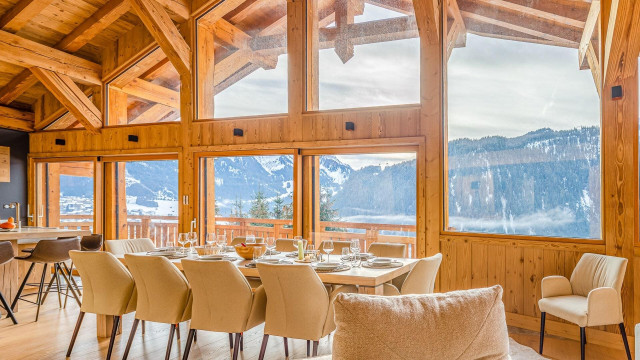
[388,250]
[164,295]
[420,280]
[128,246]
[288,245]
[109,289]
[241,239]
[298,305]
[222,301]
[590,298]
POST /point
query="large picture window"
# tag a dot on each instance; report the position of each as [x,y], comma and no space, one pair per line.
[523,150]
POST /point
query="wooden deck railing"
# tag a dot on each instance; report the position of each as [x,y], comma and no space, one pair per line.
[161,228]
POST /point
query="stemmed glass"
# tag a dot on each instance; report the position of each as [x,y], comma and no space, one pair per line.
[222,241]
[354,246]
[250,239]
[271,244]
[327,246]
[192,238]
[182,239]
[210,239]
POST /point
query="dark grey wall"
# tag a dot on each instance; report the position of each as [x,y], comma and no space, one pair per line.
[16,190]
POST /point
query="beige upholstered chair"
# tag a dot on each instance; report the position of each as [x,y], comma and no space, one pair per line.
[241,239]
[164,295]
[298,305]
[109,289]
[222,301]
[420,280]
[288,245]
[590,298]
[128,246]
[388,250]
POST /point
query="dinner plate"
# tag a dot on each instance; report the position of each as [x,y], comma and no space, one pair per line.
[328,265]
[212,257]
[381,261]
[268,261]
[161,253]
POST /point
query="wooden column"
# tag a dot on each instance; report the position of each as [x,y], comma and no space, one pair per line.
[313,56]
[296,43]
[52,202]
[205,62]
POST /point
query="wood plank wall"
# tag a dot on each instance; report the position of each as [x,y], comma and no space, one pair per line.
[516,263]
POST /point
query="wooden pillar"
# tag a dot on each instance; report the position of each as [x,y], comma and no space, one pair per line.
[117,107]
[205,62]
[296,43]
[52,203]
[313,56]
[208,204]
[186,165]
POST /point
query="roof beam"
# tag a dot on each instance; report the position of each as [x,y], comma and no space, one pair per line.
[621,42]
[179,8]
[72,97]
[220,10]
[21,13]
[164,31]
[428,19]
[60,118]
[531,12]
[153,114]
[346,11]
[457,33]
[588,33]
[16,119]
[79,37]
[400,6]
[152,92]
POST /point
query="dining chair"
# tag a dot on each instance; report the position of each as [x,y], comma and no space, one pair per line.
[388,250]
[6,255]
[129,246]
[337,246]
[164,295]
[109,289]
[591,298]
[298,305]
[288,245]
[47,252]
[243,239]
[222,301]
[91,242]
[420,280]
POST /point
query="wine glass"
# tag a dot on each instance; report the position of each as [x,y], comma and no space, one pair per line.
[182,239]
[327,246]
[354,246]
[222,240]
[210,238]
[192,238]
[271,244]
[345,254]
[250,239]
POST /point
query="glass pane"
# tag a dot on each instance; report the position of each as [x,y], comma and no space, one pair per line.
[147,92]
[147,200]
[523,124]
[370,197]
[247,195]
[250,76]
[65,195]
[369,55]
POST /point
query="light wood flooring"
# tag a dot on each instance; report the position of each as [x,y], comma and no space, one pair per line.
[49,338]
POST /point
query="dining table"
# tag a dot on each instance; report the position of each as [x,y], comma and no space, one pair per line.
[369,280]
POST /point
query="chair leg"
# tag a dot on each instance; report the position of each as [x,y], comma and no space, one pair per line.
[114,332]
[582,343]
[286,347]
[8,308]
[71,278]
[623,332]
[73,292]
[231,341]
[66,294]
[130,341]
[48,287]
[171,335]
[144,328]
[24,282]
[308,348]
[57,276]
[236,348]
[192,334]
[241,341]
[178,331]
[315,348]
[543,317]
[75,333]
[195,336]
[39,301]
[263,348]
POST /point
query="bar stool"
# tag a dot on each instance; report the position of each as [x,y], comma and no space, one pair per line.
[48,252]
[6,255]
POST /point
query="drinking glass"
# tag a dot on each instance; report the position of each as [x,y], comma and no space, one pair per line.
[182,239]
[210,239]
[250,239]
[271,244]
[312,252]
[327,246]
[355,246]
[258,251]
[345,254]
[222,240]
[192,238]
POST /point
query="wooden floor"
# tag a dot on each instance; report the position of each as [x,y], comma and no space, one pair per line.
[49,338]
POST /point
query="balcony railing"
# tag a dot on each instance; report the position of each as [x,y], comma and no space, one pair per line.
[161,228]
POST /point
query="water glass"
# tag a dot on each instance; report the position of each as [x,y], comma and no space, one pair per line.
[193,239]
[258,251]
[356,260]
[182,239]
[250,239]
[271,244]
[345,255]
[313,253]
[210,238]
[327,246]
[354,246]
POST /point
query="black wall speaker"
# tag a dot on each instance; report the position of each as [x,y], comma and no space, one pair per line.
[616,92]
[61,142]
[133,138]
[238,132]
[349,126]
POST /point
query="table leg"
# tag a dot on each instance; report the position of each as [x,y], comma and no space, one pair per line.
[104,324]
[371,290]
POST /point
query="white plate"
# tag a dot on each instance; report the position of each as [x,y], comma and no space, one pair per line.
[161,253]
[212,257]
[268,261]
[381,261]
[328,265]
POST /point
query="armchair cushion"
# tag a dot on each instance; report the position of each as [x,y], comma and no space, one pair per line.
[604,307]
[422,326]
[555,286]
[572,308]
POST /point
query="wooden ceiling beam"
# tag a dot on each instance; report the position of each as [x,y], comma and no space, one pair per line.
[401,6]
[622,41]
[346,11]
[228,34]
[140,68]
[79,37]
[218,12]
[457,33]
[152,92]
[72,97]
[428,20]
[60,118]
[533,13]
[21,13]
[153,114]
[179,8]
[16,119]
[164,31]
[588,33]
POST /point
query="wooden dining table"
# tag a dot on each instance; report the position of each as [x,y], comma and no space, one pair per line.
[368,280]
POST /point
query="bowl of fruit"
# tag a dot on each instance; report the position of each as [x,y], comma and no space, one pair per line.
[9,225]
[246,250]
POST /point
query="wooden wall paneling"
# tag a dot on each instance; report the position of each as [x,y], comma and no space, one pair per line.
[463,265]
[532,276]
[479,265]
[514,302]
[52,202]
[448,266]
[496,266]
